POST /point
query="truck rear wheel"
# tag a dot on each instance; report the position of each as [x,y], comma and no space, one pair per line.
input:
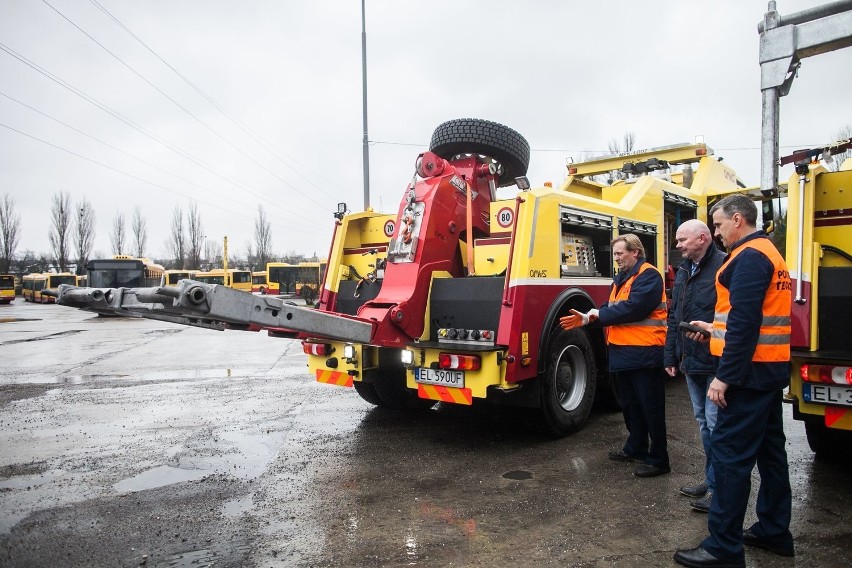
[827,443]
[388,390]
[568,383]
[368,392]
[483,137]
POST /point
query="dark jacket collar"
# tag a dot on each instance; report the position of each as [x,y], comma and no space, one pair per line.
[711,250]
[755,235]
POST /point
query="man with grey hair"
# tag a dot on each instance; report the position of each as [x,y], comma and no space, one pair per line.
[694,298]
[750,334]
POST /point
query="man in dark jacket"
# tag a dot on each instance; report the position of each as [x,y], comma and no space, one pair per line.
[635,321]
[693,298]
[751,335]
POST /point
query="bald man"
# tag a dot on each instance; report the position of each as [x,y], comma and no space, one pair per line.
[694,298]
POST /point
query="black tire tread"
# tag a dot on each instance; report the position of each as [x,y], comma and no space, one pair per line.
[477,136]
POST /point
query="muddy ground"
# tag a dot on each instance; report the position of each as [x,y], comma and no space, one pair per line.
[128,442]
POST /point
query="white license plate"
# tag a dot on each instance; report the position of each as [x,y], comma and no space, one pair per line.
[826,394]
[443,377]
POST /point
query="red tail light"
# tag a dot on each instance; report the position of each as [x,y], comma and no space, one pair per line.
[316,348]
[828,374]
[459,362]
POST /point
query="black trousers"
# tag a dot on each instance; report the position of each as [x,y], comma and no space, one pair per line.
[750,430]
[642,395]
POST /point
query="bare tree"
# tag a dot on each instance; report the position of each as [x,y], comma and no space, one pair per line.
[628,141]
[844,133]
[213,252]
[60,217]
[178,242]
[139,227]
[119,233]
[10,226]
[262,237]
[84,235]
[196,235]
[616,147]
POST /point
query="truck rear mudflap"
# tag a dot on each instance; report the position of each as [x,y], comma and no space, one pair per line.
[443,374]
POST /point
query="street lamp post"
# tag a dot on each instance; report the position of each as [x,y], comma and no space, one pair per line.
[364,104]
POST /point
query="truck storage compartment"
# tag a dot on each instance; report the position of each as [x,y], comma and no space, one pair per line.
[835,307]
[465,303]
[352,294]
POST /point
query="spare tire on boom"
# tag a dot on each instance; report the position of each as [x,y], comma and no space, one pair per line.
[486,138]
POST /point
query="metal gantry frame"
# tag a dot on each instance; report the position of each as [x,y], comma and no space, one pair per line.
[784,42]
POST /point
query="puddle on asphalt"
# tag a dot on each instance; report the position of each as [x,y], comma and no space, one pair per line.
[159,477]
[193,558]
[236,507]
[156,376]
[49,336]
[518,475]
[246,456]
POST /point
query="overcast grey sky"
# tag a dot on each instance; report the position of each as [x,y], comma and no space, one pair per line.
[281,121]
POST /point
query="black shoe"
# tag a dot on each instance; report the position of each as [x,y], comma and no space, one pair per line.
[648,470]
[620,456]
[697,557]
[694,491]
[702,505]
[751,539]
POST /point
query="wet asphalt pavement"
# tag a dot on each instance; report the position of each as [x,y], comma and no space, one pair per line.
[129,442]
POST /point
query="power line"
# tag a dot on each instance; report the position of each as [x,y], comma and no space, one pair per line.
[132,176]
[137,127]
[265,144]
[128,154]
[181,107]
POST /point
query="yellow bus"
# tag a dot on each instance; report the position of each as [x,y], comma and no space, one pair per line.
[32,283]
[171,277]
[34,286]
[237,279]
[303,279]
[258,282]
[123,271]
[7,288]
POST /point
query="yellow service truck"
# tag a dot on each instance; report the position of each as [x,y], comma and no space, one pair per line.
[819,231]
[456,297]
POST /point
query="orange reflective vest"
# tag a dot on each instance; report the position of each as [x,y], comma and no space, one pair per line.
[773,345]
[649,332]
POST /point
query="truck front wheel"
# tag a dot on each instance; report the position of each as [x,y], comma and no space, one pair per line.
[568,384]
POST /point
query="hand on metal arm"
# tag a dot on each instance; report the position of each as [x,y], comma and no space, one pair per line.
[578,319]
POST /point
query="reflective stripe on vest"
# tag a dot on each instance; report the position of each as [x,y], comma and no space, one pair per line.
[773,344]
[646,333]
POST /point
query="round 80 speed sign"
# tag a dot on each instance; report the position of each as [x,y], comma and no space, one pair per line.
[505,217]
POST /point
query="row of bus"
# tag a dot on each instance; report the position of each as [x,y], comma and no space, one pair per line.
[280,278]
[303,279]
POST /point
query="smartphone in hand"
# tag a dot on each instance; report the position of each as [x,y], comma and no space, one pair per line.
[686,326]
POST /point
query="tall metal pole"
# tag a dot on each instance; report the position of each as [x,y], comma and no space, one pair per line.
[364,102]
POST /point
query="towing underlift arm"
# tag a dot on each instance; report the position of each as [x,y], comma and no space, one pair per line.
[213,306]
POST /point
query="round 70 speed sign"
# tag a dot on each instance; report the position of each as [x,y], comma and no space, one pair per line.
[390,225]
